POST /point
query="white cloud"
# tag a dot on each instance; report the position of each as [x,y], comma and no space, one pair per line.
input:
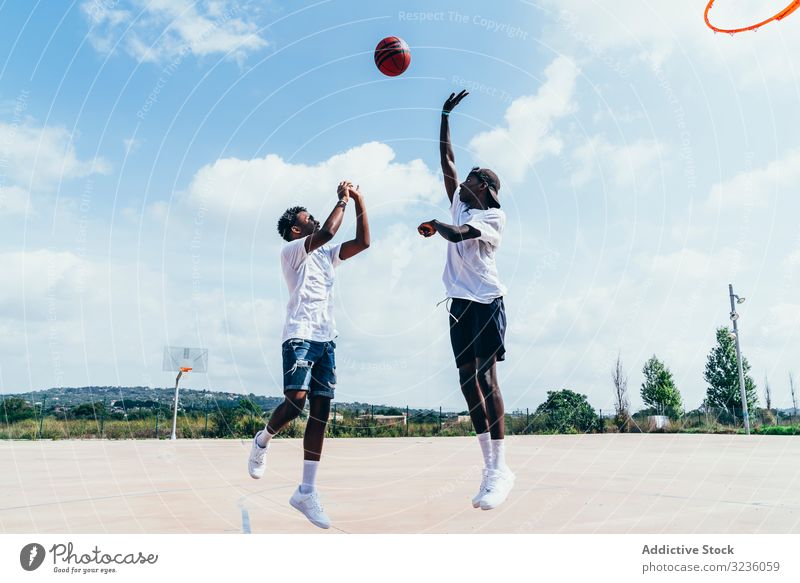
[627,165]
[131,145]
[528,135]
[39,158]
[667,303]
[688,265]
[34,280]
[792,261]
[78,320]
[160,30]
[754,188]
[99,12]
[86,321]
[13,200]
[655,32]
[265,187]
[621,115]
[404,274]
[782,323]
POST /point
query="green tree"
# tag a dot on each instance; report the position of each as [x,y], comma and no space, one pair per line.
[659,390]
[249,407]
[16,409]
[722,376]
[566,411]
[88,411]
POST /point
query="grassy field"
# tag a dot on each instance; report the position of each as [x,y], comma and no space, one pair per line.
[245,426]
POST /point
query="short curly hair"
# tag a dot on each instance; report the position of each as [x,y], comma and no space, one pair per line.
[287,220]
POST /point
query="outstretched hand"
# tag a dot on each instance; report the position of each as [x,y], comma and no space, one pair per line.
[454,100]
[343,190]
[427,229]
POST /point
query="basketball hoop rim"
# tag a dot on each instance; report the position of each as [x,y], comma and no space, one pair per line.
[186,368]
[794,5]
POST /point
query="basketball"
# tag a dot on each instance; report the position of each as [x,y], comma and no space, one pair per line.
[392,56]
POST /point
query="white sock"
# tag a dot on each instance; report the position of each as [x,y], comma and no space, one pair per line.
[262,439]
[309,476]
[486,447]
[499,455]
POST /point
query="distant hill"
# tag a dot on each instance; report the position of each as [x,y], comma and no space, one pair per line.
[138,396]
[151,397]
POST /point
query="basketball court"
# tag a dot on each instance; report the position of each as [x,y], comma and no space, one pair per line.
[655,483]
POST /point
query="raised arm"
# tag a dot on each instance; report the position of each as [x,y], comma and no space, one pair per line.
[446,156]
[361,242]
[326,232]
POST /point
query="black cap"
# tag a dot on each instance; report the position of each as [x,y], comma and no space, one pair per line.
[492,181]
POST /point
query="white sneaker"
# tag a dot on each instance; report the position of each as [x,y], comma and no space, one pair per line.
[498,485]
[476,500]
[310,505]
[256,464]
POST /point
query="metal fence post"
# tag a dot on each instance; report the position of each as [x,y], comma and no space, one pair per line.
[103,418]
[205,429]
[41,419]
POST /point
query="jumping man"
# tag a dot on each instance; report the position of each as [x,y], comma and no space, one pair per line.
[477,315]
[309,369]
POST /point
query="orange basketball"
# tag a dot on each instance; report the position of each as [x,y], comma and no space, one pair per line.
[392,56]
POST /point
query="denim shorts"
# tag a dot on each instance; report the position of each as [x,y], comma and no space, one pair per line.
[309,366]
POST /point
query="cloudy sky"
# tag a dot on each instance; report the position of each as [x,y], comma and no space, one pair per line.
[148,147]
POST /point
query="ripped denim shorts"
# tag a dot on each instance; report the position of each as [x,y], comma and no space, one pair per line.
[309,366]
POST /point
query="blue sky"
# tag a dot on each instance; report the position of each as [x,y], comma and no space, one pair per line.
[147,148]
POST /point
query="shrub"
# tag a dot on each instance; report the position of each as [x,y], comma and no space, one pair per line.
[248,425]
[778,430]
[566,411]
[14,409]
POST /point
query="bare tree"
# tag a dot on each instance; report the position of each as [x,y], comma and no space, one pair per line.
[794,398]
[621,403]
[767,393]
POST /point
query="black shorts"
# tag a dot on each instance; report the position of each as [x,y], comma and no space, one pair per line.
[477,330]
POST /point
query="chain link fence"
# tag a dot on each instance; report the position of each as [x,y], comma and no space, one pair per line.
[370,421]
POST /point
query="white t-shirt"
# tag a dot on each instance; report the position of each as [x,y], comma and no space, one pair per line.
[309,277]
[470,272]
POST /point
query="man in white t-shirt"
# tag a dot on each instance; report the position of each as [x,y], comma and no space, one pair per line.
[477,313]
[309,367]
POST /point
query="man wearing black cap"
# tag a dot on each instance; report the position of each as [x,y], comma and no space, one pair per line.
[477,315]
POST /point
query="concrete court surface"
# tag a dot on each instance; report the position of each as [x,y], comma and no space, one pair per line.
[656,483]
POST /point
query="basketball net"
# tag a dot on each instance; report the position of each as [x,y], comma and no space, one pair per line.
[779,16]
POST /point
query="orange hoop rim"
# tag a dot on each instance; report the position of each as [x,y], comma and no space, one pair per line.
[795,4]
[188,368]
